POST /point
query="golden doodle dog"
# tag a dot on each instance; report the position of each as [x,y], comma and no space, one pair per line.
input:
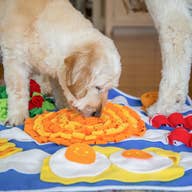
[51,38]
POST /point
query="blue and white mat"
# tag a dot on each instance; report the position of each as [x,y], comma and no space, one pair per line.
[21,171]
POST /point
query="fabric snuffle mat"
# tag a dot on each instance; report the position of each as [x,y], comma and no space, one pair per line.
[28,158]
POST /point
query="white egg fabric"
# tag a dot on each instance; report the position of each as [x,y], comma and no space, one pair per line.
[65,168]
[153,164]
[186,160]
[153,135]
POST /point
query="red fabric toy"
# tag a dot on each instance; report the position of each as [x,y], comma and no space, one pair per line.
[159,120]
[36,102]
[180,124]
[180,134]
[37,99]
[176,119]
[188,122]
[34,87]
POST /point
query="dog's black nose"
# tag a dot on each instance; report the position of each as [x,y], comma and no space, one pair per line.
[96,114]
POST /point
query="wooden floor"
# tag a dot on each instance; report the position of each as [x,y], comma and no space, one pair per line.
[141,59]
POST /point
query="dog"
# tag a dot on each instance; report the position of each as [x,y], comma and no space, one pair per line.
[54,40]
[173,21]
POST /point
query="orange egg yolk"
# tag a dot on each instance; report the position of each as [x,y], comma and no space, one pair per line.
[135,153]
[80,153]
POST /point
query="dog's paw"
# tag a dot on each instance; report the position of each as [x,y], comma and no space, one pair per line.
[164,108]
[16,119]
[152,110]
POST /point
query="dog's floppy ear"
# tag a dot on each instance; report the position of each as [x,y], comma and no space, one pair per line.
[75,75]
[79,68]
[62,78]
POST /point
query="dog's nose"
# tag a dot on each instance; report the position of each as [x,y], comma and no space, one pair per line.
[96,114]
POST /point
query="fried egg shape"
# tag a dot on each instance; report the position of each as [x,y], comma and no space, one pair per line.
[61,166]
[116,173]
[139,161]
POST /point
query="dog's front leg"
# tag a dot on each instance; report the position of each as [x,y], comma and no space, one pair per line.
[17,86]
[173,23]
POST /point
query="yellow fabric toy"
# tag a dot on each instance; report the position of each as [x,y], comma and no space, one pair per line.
[148,99]
[7,148]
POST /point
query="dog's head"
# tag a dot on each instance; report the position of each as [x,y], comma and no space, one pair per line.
[88,74]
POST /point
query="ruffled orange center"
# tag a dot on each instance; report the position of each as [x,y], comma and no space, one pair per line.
[66,127]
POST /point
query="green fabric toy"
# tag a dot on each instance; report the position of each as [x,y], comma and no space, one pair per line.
[38,103]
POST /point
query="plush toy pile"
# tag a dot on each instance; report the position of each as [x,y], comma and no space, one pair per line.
[66,127]
[38,103]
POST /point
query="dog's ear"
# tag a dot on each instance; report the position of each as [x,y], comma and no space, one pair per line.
[77,72]
[79,68]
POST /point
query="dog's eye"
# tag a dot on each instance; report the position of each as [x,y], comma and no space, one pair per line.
[98,88]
